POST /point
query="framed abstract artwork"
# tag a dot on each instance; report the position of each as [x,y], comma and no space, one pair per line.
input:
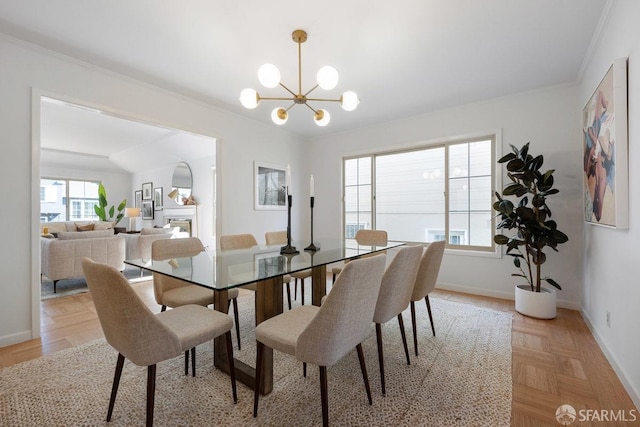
[605,151]
[270,186]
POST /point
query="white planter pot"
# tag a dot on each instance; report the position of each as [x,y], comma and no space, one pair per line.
[541,305]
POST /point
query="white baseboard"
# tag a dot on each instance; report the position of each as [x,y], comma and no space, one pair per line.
[633,393]
[571,305]
[15,338]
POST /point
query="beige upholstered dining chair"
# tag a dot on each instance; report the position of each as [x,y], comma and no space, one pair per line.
[425,283]
[365,237]
[280,238]
[237,241]
[395,294]
[146,338]
[172,292]
[323,335]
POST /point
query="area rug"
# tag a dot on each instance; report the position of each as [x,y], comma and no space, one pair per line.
[78,285]
[462,377]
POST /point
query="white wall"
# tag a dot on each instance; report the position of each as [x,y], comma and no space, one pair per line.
[547,118]
[202,190]
[610,256]
[25,71]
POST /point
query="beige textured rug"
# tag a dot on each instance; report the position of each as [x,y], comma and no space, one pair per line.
[462,377]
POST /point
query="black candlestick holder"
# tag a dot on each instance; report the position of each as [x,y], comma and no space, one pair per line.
[312,247]
[288,249]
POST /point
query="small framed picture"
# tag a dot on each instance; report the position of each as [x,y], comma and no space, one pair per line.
[138,202]
[157,198]
[147,209]
[147,191]
[270,186]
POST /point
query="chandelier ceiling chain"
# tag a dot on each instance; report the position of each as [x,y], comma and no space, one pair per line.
[327,78]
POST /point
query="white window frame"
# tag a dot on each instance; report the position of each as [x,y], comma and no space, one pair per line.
[496,176]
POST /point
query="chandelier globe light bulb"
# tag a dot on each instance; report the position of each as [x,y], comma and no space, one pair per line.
[249,98]
[349,101]
[327,77]
[279,116]
[269,76]
[322,118]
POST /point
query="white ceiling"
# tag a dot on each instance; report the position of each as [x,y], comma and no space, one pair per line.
[403,58]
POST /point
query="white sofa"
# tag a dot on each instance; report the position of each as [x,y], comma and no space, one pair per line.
[63,248]
[138,246]
[61,257]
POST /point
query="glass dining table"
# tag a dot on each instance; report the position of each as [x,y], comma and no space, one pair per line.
[261,268]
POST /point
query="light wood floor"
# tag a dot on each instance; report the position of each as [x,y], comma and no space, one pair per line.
[554,361]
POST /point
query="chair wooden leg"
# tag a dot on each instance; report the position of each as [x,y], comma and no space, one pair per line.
[236,319]
[324,396]
[433,329]
[404,338]
[256,390]
[55,282]
[116,383]
[380,356]
[164,308]
[151,393]
[413,326]
[363,368]
[289,294]
[304,369]
[193,362]
[302,291]
[295,288]
[186,362]
[232,369]
[333,280]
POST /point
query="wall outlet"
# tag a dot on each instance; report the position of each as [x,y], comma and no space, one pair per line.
[608,318]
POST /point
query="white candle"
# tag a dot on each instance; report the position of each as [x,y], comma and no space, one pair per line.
[289,188]
[311,186]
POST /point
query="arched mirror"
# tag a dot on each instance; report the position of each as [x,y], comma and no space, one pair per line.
[181,183]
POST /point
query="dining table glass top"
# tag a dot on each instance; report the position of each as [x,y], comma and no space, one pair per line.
[232,268]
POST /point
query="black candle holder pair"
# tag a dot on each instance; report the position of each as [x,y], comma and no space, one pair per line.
[288,248]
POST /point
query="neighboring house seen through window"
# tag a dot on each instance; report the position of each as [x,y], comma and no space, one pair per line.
[54,194]
[440,192]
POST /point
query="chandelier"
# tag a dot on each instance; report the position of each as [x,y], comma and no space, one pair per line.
[327,79]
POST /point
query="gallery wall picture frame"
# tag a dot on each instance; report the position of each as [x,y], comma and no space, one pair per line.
[147,191]
[605,151]
[157,199]
[270,189]
[138,199]
[147,209]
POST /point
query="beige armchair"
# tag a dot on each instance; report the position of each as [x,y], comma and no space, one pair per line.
[237,241]
[145,338]
[425,283]
[172,292]
[324,335]
[395,294]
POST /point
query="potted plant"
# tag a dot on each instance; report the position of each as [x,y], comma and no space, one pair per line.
[523,208]
[101,207]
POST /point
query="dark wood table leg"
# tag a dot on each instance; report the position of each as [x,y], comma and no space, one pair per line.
[268,303]
[318,284]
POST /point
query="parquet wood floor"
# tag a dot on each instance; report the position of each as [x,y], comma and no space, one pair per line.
[553,361]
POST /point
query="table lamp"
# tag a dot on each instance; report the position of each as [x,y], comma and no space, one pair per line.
[132,214]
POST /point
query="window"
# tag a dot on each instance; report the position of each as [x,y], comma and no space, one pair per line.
[441,192]
[82,196]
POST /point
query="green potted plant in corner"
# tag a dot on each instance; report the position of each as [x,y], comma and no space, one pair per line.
[101,207]
[522,209]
